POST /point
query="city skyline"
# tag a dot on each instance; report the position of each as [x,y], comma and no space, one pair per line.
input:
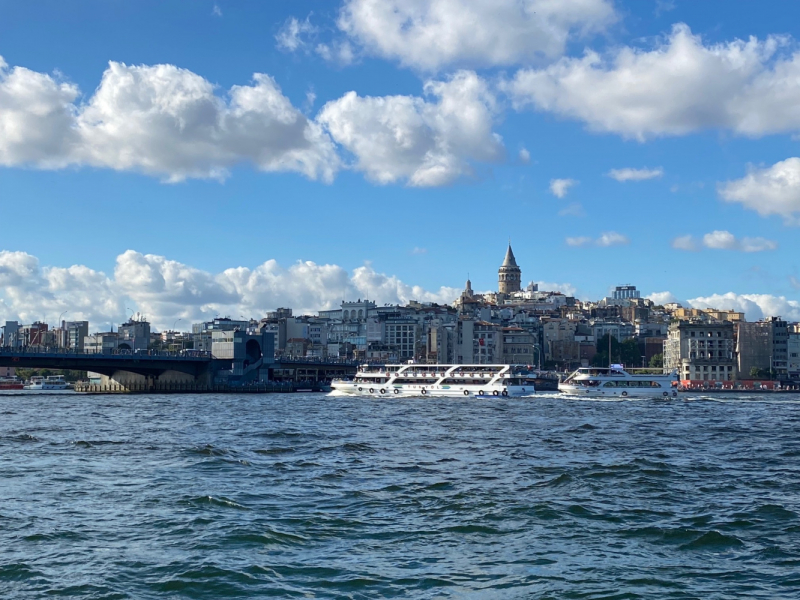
[335,154]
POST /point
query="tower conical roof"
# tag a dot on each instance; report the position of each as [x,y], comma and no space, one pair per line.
[509,261]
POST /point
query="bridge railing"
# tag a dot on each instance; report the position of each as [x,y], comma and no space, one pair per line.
[313,360]
[111,352]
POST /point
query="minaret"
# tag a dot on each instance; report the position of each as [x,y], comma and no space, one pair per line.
[509,274]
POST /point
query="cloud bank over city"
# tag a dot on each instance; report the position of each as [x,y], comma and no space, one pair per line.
[164,290]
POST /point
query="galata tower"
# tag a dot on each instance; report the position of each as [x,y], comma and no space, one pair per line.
[509,274]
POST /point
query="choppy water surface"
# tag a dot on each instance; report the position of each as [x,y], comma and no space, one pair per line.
[310,496]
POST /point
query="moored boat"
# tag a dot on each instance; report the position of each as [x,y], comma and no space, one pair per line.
[615,381]
[52,382]
[11,383]
[415,379]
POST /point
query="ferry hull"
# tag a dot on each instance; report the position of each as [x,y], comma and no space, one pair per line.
[352,389]
[586,392]
[46,387]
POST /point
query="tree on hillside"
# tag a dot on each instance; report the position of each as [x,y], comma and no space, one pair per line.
[756,373]
[626,352]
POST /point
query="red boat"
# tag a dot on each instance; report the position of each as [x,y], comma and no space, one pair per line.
[11,383]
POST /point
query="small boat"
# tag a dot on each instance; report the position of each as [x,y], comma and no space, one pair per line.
[415,379]
[52,382]
[615,381]
[11,383]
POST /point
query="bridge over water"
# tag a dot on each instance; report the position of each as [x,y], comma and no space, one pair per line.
[169,367]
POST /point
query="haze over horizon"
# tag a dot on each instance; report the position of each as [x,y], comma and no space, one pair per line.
[188,159]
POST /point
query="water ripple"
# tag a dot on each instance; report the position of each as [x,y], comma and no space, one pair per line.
[307,496]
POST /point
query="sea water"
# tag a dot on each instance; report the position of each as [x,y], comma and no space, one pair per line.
[310,496]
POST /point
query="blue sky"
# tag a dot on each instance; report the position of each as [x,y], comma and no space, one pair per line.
[411,152]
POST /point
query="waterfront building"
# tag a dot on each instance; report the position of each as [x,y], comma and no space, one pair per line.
[174,340]
[246,351]
[620,330]
[793,353]
[279,313]
[74,333]
[403,334]
[763,346]
[297,347]
[134,335]
[649,329]
[11,335]
[318,332]
[220,324]
[509,274]
[557,336]
[101,343]
[701,351]
[202,333]
[520,347]
[358,310]
[35,334]
[487,343]
[441,342]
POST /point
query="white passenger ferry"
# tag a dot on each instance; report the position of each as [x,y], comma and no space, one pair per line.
[53,382]
[438,380]
[616,381]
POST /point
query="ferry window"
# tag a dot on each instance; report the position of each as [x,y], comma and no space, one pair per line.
[610,384]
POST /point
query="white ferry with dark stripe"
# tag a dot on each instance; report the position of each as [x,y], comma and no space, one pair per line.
[615,381]
[438,380]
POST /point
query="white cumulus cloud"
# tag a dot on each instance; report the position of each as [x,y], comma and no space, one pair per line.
[629,174]
[431,34]
[560,187]
[579,241]
[575,209]
[419,141]
[37,118]
[565,288]
[725,240]
[769,191]
[159,120]
[609,238]
[754,306]
[164,290]
[681,85]
[685,242]
[612,238]
[295,34]
[662,298]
